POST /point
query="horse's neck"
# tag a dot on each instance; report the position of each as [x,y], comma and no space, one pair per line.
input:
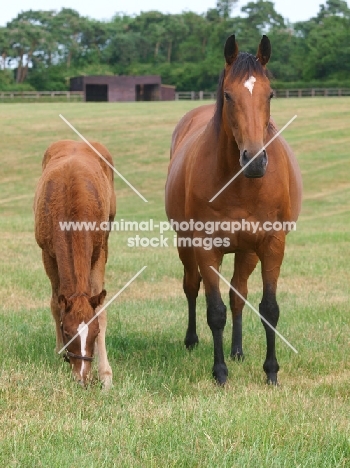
[74,263]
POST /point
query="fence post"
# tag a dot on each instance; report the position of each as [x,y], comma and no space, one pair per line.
[193,95]
[201,95]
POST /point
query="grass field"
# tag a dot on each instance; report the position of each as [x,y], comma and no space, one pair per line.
[164,409]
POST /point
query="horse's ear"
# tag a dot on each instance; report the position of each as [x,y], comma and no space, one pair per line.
[62,302]
[264,50]
[97,300]
[231,50]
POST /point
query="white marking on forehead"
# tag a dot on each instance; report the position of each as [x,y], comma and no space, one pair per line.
[249,84]
[83,331]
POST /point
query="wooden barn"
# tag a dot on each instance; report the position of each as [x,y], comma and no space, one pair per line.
[113,88]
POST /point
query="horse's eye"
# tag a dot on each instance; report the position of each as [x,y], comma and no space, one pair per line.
[272,95]
[227,96]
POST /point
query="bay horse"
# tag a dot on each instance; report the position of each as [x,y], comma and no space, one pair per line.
[76,185]
[210,145]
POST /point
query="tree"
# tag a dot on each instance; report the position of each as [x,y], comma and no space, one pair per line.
[263,16]
[27,37]
[328,49]
[225,7]
[333,8]
[70,25]
[176,30]
[260,18]
[151,25]
[93,40]
[189,37]
[125,44]
[4,47]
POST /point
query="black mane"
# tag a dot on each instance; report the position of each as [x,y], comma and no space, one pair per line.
[244,66]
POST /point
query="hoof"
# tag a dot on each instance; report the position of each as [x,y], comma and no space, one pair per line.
[220,374]
[237,356]
[106,382]
[191,341]
[272,379]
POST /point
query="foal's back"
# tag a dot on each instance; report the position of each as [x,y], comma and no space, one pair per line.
[76,185]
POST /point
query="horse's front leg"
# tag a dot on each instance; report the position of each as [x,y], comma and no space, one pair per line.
[97,282]
[191,284]
[271,256]
[216,309]
[245,262]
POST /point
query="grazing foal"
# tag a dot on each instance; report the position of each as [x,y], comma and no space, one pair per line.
[76,186]
[210,145]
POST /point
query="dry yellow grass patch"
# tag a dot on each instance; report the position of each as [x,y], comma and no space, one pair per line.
[167,287]
[19,299]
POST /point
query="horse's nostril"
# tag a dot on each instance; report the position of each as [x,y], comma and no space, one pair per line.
[264,157]
[245,158]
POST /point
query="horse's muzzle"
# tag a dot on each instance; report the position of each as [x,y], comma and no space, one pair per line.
[253,166]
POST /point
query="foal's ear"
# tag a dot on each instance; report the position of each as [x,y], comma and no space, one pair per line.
[264,50]
[62,302]
[97,300]
[231,50]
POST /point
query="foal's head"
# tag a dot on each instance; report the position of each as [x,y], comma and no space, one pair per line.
[244,103]
[76,312]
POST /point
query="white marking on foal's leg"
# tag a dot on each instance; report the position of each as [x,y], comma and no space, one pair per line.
[104,369]
[83,332]
[249,84]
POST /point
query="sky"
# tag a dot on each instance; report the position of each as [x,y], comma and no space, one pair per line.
[294,10]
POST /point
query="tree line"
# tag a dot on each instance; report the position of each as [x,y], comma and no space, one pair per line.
[41,50]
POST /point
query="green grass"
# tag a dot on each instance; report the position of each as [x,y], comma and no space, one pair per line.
[164,409]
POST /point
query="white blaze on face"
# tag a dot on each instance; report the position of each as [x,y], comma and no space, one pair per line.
[83,332]
[249,84]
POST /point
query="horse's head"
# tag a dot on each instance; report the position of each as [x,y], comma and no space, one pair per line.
[80,335]
[245,96]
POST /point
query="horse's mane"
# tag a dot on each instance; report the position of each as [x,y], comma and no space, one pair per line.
[244,66]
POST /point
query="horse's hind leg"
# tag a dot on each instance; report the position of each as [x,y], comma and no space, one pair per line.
[97,280]
[191,284]
[271,255]
[244,266]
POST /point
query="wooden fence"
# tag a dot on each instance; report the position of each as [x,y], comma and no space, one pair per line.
[312,92]
[194,95]
[41,96]
[281,93]
[78,96]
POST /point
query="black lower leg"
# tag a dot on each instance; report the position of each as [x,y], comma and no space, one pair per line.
[270,311]
[191,288]
[216,318]
[236,348]
[191,338]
